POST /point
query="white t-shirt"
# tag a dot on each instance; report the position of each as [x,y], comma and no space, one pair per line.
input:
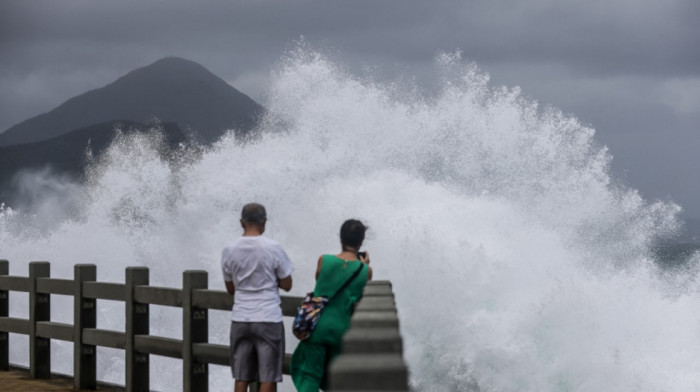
[254,265]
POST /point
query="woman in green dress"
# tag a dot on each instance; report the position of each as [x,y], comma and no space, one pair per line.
[309,366]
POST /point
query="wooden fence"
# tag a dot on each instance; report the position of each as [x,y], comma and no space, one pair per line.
[372,359]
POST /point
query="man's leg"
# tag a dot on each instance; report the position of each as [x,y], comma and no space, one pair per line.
[241,386]
[268,387]
[269,345]
[243,356]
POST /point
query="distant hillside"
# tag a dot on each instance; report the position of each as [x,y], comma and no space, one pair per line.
[171,90]
[66,154]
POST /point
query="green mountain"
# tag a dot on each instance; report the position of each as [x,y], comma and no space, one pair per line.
[170,90]
[66,155]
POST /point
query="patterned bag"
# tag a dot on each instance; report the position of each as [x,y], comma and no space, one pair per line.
[309,312]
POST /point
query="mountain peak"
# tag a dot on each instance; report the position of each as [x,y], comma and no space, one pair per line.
[175,61]
[172,66]
[171,89]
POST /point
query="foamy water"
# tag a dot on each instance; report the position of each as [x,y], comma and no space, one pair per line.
[517,262]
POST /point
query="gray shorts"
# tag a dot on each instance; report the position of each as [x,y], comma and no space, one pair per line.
[257,351]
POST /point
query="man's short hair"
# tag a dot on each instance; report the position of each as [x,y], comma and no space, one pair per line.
[253,213]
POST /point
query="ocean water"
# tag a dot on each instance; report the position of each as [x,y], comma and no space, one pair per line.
[518,262]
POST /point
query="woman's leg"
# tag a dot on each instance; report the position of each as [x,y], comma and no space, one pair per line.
[331,353]
[308,366]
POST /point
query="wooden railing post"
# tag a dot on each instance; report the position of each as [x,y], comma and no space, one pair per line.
[4,312]
[195,329]
[380,361]
[84,316]
[39,310]
[137,364]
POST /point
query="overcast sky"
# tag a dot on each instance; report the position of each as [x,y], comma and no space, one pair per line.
[628,68]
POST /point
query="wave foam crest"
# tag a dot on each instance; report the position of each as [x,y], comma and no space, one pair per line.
[517,262]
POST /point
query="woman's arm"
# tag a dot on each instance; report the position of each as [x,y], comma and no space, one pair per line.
[365,259]
[318,266]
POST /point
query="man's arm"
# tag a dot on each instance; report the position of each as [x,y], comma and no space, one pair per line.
[285,284]
[283,267]
[226,270]
[229,287]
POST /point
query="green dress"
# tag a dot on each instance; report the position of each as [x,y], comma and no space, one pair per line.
[312,356]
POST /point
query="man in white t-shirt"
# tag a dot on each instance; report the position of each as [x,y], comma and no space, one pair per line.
[255,268]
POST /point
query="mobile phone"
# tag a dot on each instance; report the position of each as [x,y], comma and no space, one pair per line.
[361,255]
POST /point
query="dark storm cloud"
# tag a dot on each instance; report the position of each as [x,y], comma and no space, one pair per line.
[612,36]
[594,37]
[630,69]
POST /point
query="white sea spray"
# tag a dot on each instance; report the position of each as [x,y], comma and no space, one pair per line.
[517,261]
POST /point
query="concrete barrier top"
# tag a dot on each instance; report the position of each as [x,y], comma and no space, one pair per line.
[364,318]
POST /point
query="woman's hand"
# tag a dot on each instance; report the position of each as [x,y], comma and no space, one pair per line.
[364,258]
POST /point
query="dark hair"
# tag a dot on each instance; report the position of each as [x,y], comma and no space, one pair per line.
[352,233]
[253,213]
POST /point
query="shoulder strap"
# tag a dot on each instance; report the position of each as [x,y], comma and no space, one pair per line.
[347,282]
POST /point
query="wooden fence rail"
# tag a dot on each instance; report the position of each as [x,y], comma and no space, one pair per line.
[373,346]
